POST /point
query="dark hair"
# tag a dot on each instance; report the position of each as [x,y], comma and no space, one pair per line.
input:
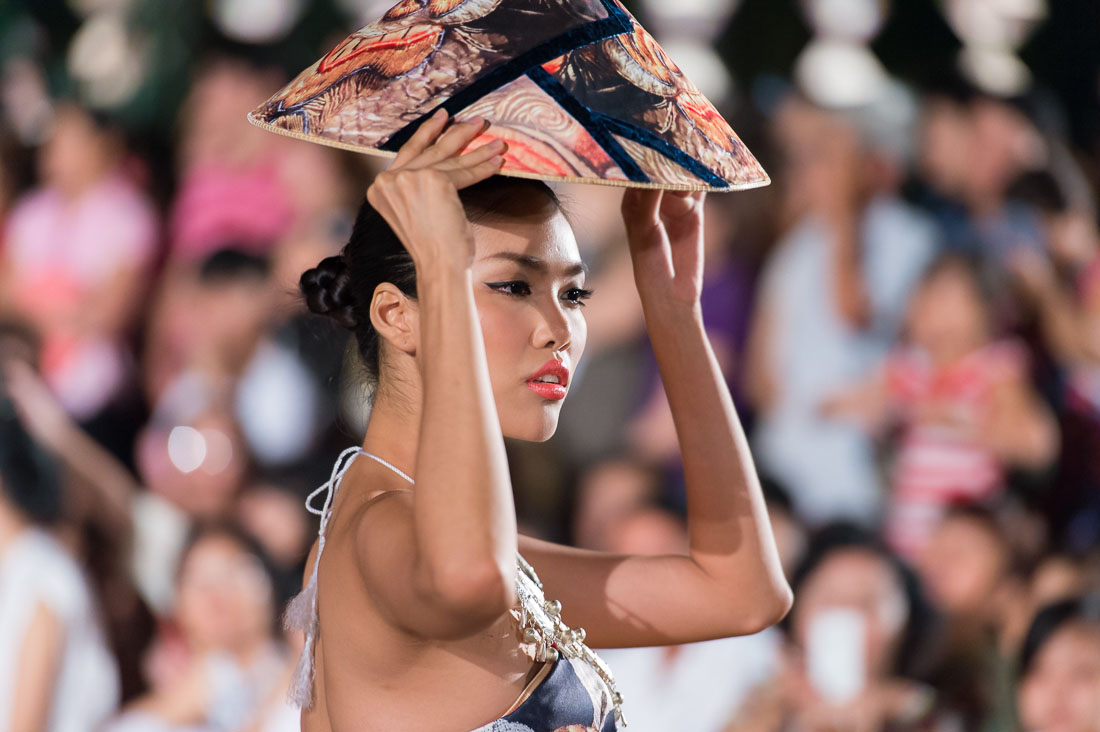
[342,286]
[231,263]
[1052,618]
[29,476]
[971,266]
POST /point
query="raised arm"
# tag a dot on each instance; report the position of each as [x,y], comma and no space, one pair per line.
[730,582]
[443,561]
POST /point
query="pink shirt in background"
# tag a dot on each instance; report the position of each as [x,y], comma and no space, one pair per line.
[219,206]
[62,252]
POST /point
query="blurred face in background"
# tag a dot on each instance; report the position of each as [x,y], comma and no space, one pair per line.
[820,153]
[947,317]
[945,139]
[77,153]
[962,566]
[224,596]
[200,466]
[856,579]
[1061,693]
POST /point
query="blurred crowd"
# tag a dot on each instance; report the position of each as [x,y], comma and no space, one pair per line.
[908,319]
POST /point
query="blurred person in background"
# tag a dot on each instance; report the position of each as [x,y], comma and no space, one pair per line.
[606,492]
[11,176]
[963,402]
[57,673]
[206,321]
[271,515]
[1059,674]
[95,523]
[1062,288]
[219,667]
[690,686]
[856,645]
[230,185]
[972,146]
[75,262]
[831,300]
[969,572]
[194,465]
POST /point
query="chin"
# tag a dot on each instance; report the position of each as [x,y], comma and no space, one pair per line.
[531,427]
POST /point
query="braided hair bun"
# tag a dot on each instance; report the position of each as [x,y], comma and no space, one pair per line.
[327,290]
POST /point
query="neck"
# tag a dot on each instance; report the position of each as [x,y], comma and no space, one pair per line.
[393,433]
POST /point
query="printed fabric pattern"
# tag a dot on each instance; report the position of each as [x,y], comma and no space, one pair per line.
[577,88]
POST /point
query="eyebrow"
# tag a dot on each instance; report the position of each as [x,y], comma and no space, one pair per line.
[526,260]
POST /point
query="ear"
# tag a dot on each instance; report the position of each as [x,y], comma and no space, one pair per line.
[393,314]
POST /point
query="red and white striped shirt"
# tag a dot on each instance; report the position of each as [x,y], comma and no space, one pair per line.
[942,459]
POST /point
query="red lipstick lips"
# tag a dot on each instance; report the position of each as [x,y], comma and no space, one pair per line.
[548,389]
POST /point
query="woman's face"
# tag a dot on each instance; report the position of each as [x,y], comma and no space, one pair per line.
[856,579]
[223,595]
[1062,691]
[529,290]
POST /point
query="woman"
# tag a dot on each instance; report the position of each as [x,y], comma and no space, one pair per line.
[412,629]
[56,669]
[1059,672]
[221,666]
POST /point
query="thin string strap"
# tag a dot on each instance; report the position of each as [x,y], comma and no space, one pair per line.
[372,456]
[301,613]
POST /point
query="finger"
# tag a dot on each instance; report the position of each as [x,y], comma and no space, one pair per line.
[428,130]
[463,177]
[451,142]
[639,208]
[476,156]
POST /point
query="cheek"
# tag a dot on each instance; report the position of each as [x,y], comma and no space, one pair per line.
[505,336]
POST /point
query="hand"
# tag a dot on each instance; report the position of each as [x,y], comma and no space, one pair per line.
[665,234]
[418,194]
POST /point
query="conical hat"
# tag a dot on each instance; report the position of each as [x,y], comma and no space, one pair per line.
[577,88]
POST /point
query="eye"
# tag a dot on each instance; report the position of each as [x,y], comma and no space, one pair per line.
[576,294]
[517,288]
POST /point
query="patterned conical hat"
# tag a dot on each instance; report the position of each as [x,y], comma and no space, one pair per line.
[577,88]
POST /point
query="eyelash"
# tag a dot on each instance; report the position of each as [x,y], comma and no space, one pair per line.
[581,293]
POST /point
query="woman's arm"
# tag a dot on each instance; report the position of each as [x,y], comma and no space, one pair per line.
[45,419]
[443,563]
[731,581]
[36,671]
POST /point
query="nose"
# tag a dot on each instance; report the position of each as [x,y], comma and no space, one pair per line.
[553,329]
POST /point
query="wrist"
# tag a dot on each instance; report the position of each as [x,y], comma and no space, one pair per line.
[676,313]
[442,267]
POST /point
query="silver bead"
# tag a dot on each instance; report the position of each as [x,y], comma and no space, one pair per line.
[553,607]
[578,635]
[617,697]
[552,654]
[530,635]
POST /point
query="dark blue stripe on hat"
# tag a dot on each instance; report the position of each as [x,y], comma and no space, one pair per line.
[584,116]
[650,140]
[616,23]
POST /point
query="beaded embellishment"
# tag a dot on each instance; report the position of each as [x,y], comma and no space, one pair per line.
[543,634]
